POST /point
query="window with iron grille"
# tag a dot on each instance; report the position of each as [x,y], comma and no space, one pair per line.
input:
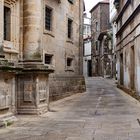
[48,18]
[96,45]
[48,58]
[96,26]
[69,62]
[71,1]
[7,23]
[70,28]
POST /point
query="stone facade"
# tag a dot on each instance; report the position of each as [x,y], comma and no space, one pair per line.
[101,60]
[127,48]
[65,85]
[106,54]
[87,64]
[29,52]
[113,16]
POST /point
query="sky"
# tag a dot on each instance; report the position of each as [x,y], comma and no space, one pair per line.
[89,4]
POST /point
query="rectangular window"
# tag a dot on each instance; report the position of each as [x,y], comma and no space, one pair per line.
[70,28]
[48,58]
[96,45]
[96,26]
[48,18]
[69,62]
[84,30]
[71,1]
[7,23]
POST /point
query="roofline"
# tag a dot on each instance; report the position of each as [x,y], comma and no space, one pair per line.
[101,2]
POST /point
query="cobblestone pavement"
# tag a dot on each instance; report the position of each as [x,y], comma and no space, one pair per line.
[102,113]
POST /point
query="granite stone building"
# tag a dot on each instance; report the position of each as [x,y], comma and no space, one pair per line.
[127,47]
[113,16]
[37,38]
[87,64]
[106,54]
[101,39]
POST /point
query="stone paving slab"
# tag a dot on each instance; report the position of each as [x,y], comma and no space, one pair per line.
[102,113]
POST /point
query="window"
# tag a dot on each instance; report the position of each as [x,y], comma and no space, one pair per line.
[84,30]
[105,50]
[96,45]
[48,58]
[96,26]
[71,1]
[69,62]
[7,23]
[88,29]
[48,18]
[70,28]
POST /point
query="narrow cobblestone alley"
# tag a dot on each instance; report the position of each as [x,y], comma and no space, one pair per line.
[102,113]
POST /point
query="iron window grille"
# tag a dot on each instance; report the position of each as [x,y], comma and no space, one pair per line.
[7,23]
[70,28]
[48,58]
[69,62]
[48,18]
[71,1]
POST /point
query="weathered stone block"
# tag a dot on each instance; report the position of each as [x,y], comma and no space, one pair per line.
[66,85]
[33,93]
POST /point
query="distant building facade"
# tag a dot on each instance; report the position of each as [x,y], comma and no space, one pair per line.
[87,64]
[101,37]
[106,54]
[113,16]
[128,40]
[39,37]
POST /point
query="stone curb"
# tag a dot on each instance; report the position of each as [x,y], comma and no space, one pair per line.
[124,94]
[7,122]
[129,97]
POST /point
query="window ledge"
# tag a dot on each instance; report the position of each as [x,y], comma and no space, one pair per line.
[69,69]
[8,50]
[8,44]
[69,41]
[50,33]
[50,66]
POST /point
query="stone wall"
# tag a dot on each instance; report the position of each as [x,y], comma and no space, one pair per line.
[23,86]
[128,51]
[65,85]
[99,24]
[7,94]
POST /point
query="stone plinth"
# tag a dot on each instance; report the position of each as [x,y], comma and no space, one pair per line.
[7,94]
[33,93]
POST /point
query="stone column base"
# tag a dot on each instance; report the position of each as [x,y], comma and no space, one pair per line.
[33,93]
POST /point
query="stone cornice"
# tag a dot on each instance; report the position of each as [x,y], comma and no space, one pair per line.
[123,10]
[133,15]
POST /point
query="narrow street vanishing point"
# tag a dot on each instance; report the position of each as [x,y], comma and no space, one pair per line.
[102,113]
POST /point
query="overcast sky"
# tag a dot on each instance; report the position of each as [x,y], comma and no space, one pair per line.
[90,3]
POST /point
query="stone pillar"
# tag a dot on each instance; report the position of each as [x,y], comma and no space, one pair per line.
[1,27]
[33,93]
[32,27]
